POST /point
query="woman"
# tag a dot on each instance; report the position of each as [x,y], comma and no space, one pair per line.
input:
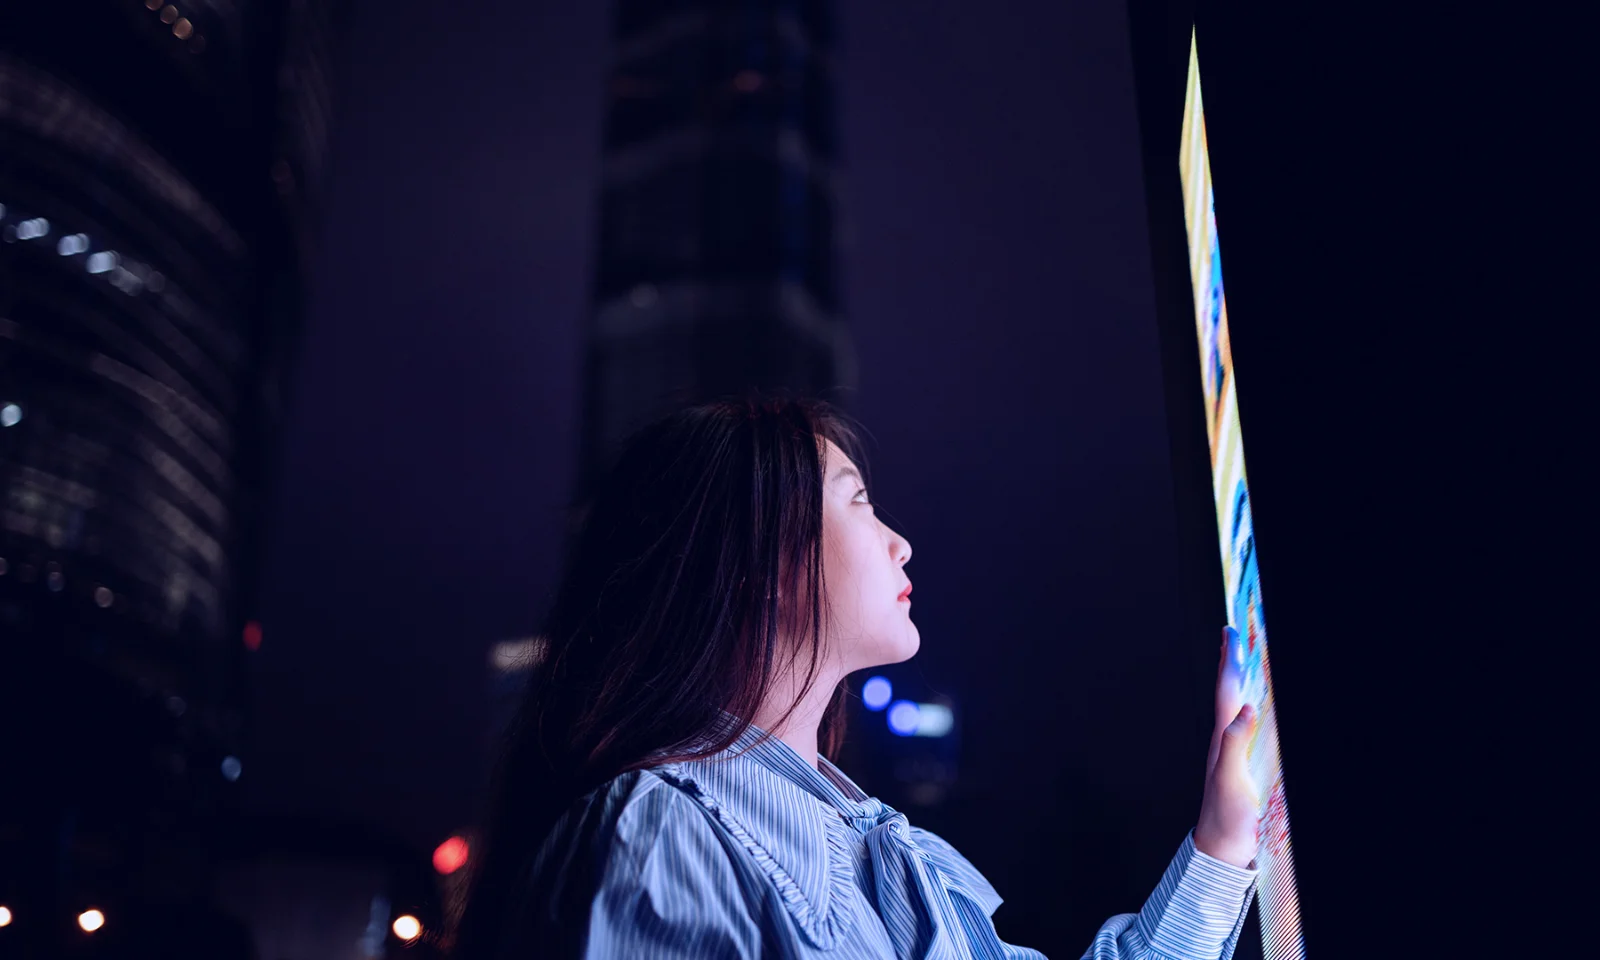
[666,791]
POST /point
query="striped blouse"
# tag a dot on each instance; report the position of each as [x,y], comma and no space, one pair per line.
[756,853]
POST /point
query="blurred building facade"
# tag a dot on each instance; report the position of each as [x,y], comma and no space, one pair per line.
[160,166]
[717,268]
[718,265]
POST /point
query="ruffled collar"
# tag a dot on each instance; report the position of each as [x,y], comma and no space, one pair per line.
[802,824]
[792,820]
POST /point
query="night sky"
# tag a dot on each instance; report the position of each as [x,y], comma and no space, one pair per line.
[998,283]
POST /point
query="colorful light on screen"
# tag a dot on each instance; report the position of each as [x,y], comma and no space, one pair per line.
[1280,901]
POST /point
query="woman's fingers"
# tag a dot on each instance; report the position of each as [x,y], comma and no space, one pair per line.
[1229,816]
[1229,673]
[1234,743]
[1228,694]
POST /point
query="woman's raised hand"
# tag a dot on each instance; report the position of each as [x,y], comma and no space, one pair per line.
[1230,811]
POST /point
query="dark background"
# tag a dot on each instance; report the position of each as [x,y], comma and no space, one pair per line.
[1401,195]
[1400,350]
[999,287]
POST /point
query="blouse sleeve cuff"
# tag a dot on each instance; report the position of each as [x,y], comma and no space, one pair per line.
[1197,908]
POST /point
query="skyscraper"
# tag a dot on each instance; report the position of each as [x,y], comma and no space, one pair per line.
[718,213]
[159,164]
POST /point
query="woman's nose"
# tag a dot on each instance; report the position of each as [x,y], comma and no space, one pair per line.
[899,547]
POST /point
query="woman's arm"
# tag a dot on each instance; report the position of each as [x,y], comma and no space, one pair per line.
[1196,913]
[669,891]
[631,870]
[1198,909]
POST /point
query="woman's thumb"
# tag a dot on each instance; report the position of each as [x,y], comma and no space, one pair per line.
[1239,730]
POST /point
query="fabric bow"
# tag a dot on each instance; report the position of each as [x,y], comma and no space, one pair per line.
[926,930]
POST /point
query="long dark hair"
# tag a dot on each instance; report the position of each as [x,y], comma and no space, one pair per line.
[696,549]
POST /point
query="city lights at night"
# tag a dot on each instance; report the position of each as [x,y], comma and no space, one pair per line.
[407,927]
[876,693]
[451,855]
[576,389]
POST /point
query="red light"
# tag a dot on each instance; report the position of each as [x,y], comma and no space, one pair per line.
[252,636]
[451,855]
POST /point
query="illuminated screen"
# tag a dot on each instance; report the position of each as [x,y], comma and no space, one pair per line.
[1279,900]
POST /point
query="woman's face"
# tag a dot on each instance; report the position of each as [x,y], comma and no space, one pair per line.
[868,622]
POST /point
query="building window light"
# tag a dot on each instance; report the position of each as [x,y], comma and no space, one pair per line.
[73,243]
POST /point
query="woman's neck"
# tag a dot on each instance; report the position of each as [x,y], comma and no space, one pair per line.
[800,729]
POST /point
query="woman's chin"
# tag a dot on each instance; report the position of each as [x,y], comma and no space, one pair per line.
[883,651]
[905,647]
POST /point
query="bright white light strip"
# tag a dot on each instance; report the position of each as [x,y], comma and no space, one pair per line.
[934,720]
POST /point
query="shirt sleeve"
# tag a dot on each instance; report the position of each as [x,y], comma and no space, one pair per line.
[1196,913]
[670,891]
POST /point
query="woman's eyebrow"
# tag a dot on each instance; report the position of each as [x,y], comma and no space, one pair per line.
[847,471]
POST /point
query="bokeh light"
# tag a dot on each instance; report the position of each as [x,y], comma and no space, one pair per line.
[407,927]
[876,693]
[934,720]
[91,920]
[903,718]
[511,656]
[5,916]
[231,768]
[10,415]
[451,855]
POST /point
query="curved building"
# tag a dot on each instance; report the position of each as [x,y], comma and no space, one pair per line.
[159,164]
[717,266]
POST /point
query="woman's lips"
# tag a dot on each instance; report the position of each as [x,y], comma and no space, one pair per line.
[906,593]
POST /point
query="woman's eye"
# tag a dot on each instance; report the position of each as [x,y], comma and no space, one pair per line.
[861,495]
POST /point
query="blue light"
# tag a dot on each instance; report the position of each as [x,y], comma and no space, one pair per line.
[231,768]
[876,693]
[904,718]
